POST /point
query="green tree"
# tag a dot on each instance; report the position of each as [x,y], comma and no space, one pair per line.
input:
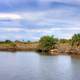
[28,41]
[76,39]
[47,42]
[8,41]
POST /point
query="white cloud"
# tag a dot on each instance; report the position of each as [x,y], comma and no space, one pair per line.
[38,30]
[52,16]
[35,34]
[11,16]
[11,29]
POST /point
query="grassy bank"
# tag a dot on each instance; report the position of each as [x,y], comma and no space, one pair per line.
[48,44]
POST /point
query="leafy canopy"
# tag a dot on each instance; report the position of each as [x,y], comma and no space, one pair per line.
[47,42]
[76,39]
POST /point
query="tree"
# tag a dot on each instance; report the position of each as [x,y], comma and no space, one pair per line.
[8,41]
[28,41]
[47,42]
[76,39]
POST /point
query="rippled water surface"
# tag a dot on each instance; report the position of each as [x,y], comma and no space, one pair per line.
[32,66]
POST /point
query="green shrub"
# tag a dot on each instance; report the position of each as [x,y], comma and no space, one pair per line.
[47,42]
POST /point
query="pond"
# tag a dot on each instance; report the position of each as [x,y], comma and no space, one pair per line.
[33,66]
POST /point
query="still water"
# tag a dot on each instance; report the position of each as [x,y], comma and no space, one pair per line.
[32,66]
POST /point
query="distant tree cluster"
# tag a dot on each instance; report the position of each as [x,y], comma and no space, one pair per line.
[49,42]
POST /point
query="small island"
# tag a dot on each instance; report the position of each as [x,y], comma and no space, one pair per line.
[48,44]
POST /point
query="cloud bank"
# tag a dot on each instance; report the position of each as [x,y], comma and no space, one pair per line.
[31,19]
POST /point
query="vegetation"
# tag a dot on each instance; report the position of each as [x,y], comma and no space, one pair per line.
[47,42]
[76,40]
[63,41]
[7,43]
[28,41]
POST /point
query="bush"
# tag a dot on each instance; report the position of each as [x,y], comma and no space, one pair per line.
[76,39]
[47,42]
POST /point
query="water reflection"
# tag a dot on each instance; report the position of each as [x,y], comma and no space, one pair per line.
[32,66]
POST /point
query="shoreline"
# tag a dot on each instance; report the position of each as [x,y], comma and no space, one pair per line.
[61,49]
[42,53]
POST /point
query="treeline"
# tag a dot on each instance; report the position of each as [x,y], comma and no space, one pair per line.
[49,42]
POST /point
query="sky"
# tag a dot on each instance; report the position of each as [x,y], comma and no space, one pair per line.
[31,19]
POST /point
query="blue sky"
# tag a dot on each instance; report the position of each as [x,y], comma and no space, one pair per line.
[31,19]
